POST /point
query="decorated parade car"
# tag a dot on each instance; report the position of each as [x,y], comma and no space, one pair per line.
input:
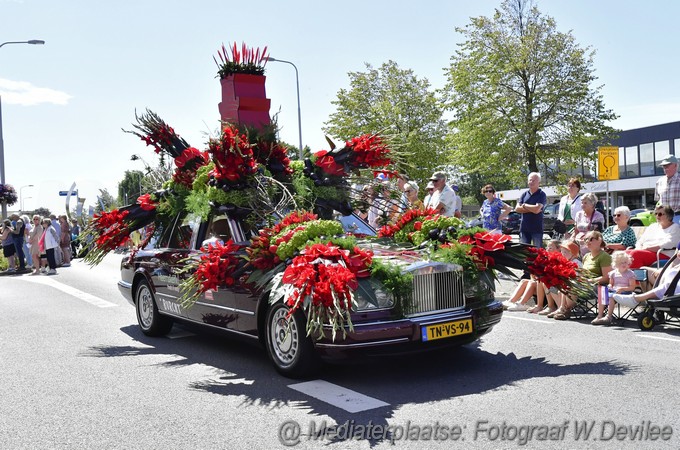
[246,241]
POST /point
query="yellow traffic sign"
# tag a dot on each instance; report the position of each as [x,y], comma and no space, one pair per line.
[608,163]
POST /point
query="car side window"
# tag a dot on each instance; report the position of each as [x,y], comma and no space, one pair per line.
[161,232]
[218,230]
[185,233]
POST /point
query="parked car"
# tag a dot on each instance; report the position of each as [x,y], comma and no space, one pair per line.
[642,217]
[441,311]
[509,225]
[550,213]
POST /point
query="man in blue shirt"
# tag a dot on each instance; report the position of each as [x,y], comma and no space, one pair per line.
[530,205]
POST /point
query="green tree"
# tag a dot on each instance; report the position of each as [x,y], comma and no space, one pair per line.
[42,212]
[522,96]
[398,104]
[131,187]
[105,201]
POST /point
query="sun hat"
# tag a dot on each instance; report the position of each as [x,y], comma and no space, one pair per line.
[438,176]
[670,159]
[572,247]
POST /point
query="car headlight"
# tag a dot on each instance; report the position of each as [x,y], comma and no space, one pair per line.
[379,299]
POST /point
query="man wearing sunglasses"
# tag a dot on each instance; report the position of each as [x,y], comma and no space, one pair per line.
[443,199]
[668,186]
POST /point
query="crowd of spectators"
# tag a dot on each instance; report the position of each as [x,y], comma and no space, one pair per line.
[38,245]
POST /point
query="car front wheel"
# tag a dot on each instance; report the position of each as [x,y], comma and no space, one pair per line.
[288,346]
[150,320]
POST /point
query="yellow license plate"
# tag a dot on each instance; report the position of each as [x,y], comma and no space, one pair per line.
[447,329]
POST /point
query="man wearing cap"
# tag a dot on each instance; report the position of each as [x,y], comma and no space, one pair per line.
[458,204]
[443,198]
[530,205]
[668,186]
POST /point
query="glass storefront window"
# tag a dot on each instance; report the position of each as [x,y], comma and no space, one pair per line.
[647,159]
[661,150]
[632,169]
[622,163]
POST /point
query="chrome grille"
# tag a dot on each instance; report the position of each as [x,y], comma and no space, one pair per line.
[436,292]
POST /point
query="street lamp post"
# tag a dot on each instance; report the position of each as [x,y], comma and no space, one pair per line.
[297,85]
[2,145]
[21,196]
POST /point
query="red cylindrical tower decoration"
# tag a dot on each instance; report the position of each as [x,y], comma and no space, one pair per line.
[244,100]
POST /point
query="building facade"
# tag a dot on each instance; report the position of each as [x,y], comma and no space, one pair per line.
[640,152]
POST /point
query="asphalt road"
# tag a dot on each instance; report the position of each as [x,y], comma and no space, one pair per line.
[76,373]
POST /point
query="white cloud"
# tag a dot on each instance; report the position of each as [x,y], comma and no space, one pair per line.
[24,93]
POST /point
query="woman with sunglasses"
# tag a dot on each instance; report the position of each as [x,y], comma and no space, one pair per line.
[411,192]
[664,234]
[570,205]
[619,236]
[493,210]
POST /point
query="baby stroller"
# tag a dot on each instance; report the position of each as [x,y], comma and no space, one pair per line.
[665,310]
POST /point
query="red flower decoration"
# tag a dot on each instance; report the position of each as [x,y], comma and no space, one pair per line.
[146,202]
[551,268]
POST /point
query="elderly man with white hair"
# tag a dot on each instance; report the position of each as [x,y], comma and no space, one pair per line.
[530,205]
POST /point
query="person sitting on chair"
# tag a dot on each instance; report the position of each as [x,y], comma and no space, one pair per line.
[621,281]
[667,276]
[664,234]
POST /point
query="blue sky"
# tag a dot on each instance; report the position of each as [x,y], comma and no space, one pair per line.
[64,103]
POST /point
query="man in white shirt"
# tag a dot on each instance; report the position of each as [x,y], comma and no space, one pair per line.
[443,198]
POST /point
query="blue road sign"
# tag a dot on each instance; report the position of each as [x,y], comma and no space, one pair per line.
[65,193]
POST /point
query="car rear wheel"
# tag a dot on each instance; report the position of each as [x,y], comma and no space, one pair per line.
[288,346]
[150,320]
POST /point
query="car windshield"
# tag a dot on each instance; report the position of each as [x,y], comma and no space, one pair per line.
[354,224]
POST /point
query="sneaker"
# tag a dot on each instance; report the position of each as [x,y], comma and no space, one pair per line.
[11,270]
[507,304]
[66,265]
[518,307]
[51,272]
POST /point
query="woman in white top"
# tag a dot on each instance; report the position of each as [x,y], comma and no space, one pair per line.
[570,205]
[51,242]
[664,234]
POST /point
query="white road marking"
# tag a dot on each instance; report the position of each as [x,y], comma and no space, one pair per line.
[526,319]
[657,337]
[338,396]
[77,293]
